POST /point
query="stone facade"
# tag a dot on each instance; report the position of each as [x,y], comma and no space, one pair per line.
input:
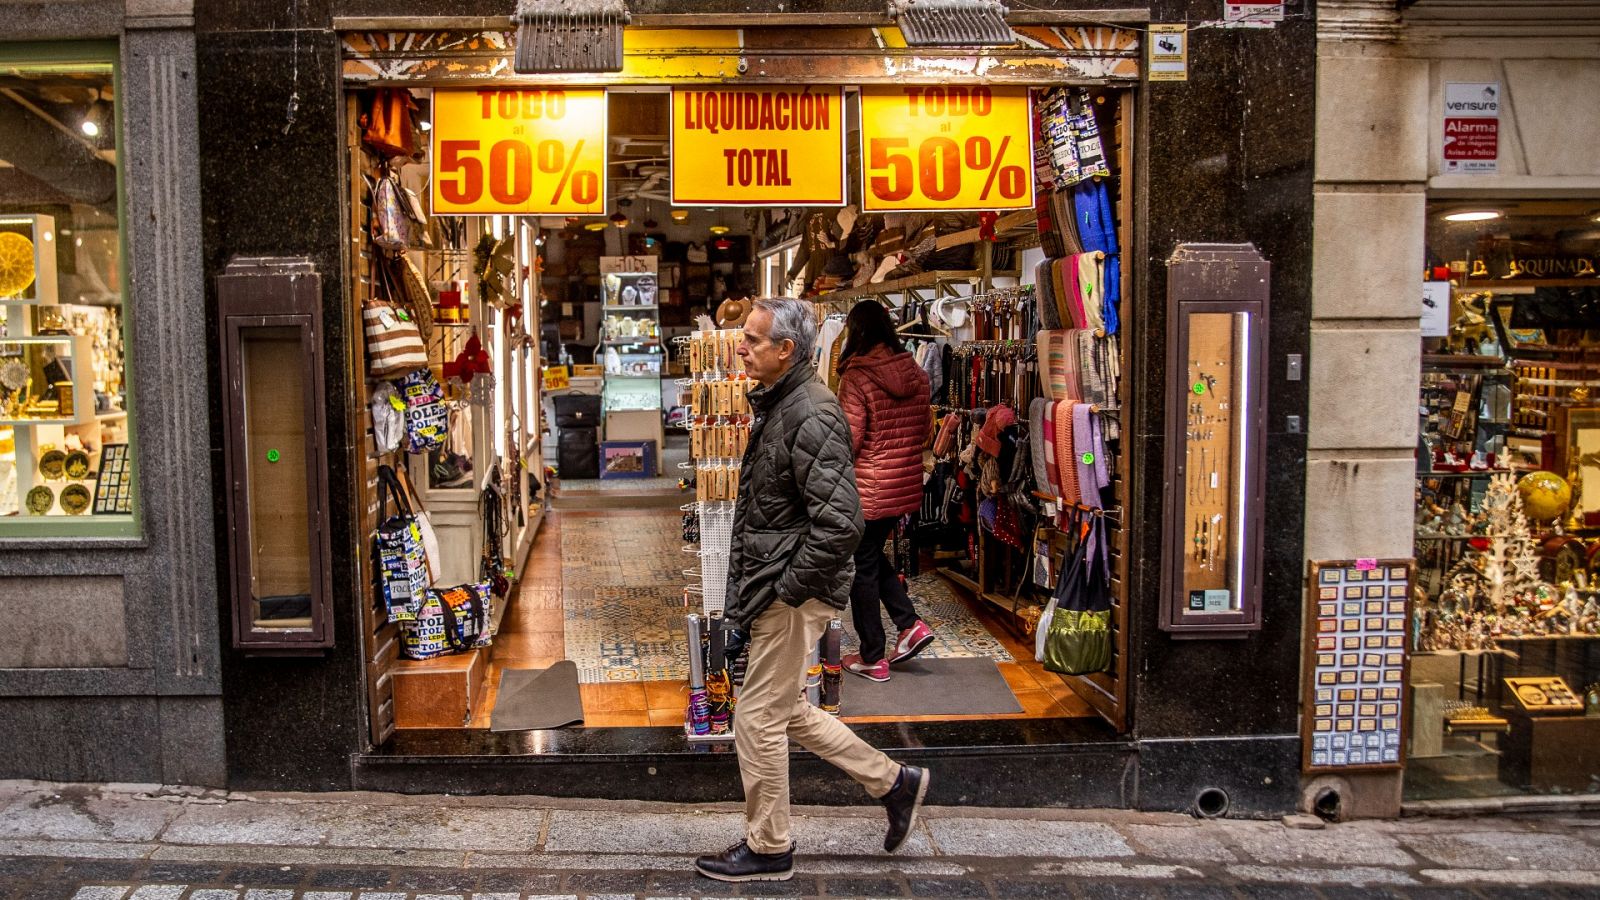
[1380,82]
[121,681]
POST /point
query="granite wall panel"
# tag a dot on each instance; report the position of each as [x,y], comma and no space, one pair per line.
[1227,158]
[86,627]
[81,739]
[270,131]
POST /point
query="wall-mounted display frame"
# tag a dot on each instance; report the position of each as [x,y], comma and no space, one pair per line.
[1216,435]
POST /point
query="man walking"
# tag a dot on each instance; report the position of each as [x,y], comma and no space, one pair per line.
[795,531]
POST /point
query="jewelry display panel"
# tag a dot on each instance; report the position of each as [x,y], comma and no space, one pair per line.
[1356,664]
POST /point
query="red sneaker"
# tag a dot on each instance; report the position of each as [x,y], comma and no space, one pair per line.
[878,671]
[912,641]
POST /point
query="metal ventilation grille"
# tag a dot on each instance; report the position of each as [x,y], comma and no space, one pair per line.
[569,35]
[953,23]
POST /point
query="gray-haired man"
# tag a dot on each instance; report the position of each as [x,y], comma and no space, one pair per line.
[795,531]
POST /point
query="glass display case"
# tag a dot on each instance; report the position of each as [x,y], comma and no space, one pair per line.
[67,466]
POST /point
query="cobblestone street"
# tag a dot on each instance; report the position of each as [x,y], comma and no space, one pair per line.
[82,842]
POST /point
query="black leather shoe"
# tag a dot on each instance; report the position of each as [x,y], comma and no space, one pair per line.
[902,802]
[740,863]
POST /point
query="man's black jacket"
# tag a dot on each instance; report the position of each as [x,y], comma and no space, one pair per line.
[798,518]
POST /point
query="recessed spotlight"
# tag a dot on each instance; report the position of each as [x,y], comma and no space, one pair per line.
[1473,215]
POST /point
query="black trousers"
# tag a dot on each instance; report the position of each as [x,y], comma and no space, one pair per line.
[875,584]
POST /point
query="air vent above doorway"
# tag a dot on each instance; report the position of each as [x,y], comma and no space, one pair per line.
[952,23]
[569,35]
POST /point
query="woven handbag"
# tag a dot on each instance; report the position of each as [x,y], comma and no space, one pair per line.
[394,345]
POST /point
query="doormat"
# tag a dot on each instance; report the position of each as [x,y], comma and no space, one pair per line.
[931,687]
[622,580]
[531,699]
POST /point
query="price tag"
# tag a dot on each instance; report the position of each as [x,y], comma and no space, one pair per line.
[758,146]
[530,151]
[944,147]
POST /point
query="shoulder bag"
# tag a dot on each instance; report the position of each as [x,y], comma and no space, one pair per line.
[399,557]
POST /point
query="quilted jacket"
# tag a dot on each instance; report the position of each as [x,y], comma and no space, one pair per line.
[798,518]
[885,397]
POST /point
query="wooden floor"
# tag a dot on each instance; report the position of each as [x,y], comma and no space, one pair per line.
[532,637]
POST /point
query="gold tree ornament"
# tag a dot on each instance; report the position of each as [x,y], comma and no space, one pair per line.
[16,263]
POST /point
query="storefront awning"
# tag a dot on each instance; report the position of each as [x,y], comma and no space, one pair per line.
[1079,53]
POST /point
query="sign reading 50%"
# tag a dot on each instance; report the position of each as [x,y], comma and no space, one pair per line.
[946,147]
[529,151]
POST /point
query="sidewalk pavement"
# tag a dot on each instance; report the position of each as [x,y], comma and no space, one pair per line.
[147,842]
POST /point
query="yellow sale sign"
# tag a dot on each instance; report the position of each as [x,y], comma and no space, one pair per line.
[780,146]
[515,150]
[944,147]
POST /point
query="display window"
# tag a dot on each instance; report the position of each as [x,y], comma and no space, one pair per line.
[66,454]
[587,255]
[1505,675]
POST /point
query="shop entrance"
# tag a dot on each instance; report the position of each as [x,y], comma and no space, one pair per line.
[584,455]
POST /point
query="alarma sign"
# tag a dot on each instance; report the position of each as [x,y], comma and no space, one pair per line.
[940,147]
[758,146]
[529,151]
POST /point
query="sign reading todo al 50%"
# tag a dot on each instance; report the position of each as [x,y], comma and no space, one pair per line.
[943,147]
[531,151]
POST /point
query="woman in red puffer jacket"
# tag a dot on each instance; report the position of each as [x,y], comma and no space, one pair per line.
[885,396]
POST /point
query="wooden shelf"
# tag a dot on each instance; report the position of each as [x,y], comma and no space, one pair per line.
[909,283]
[1002,228]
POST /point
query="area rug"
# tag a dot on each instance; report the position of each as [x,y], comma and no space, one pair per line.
[932,687]
[531,699]
[623,602]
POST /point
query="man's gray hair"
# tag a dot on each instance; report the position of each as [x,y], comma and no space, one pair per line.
[792,320]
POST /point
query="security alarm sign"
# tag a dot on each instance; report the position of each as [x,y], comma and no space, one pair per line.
[946,147]
[781,146]
[1471,127]
[515,150]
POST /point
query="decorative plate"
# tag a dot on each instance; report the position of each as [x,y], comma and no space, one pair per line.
[75,499]
[16,263]
[53,464]
[13,375]
[40,499]
[77,465]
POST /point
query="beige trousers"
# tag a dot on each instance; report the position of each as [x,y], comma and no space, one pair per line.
[772,709]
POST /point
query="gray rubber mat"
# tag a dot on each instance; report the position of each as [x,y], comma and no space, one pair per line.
[931,687]
[530,699]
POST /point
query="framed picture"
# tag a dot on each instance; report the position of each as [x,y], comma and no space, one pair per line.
[1514,338]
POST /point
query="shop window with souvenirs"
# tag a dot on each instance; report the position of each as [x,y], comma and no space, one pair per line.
[1505,673]
[614,241]
[66,462]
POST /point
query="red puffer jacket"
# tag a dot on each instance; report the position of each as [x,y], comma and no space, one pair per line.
[885,397]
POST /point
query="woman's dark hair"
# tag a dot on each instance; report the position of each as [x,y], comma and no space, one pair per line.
[868,325]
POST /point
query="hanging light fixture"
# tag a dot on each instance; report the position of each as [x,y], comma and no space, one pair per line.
[619,219]
[680,215]
[597,226]
[719,229]
[649,223]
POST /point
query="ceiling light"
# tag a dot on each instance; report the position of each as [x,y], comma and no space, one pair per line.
[425,125]
[90,127]
[1473,215]
[719,229]
[680,215]
[619,220]
[597,226]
